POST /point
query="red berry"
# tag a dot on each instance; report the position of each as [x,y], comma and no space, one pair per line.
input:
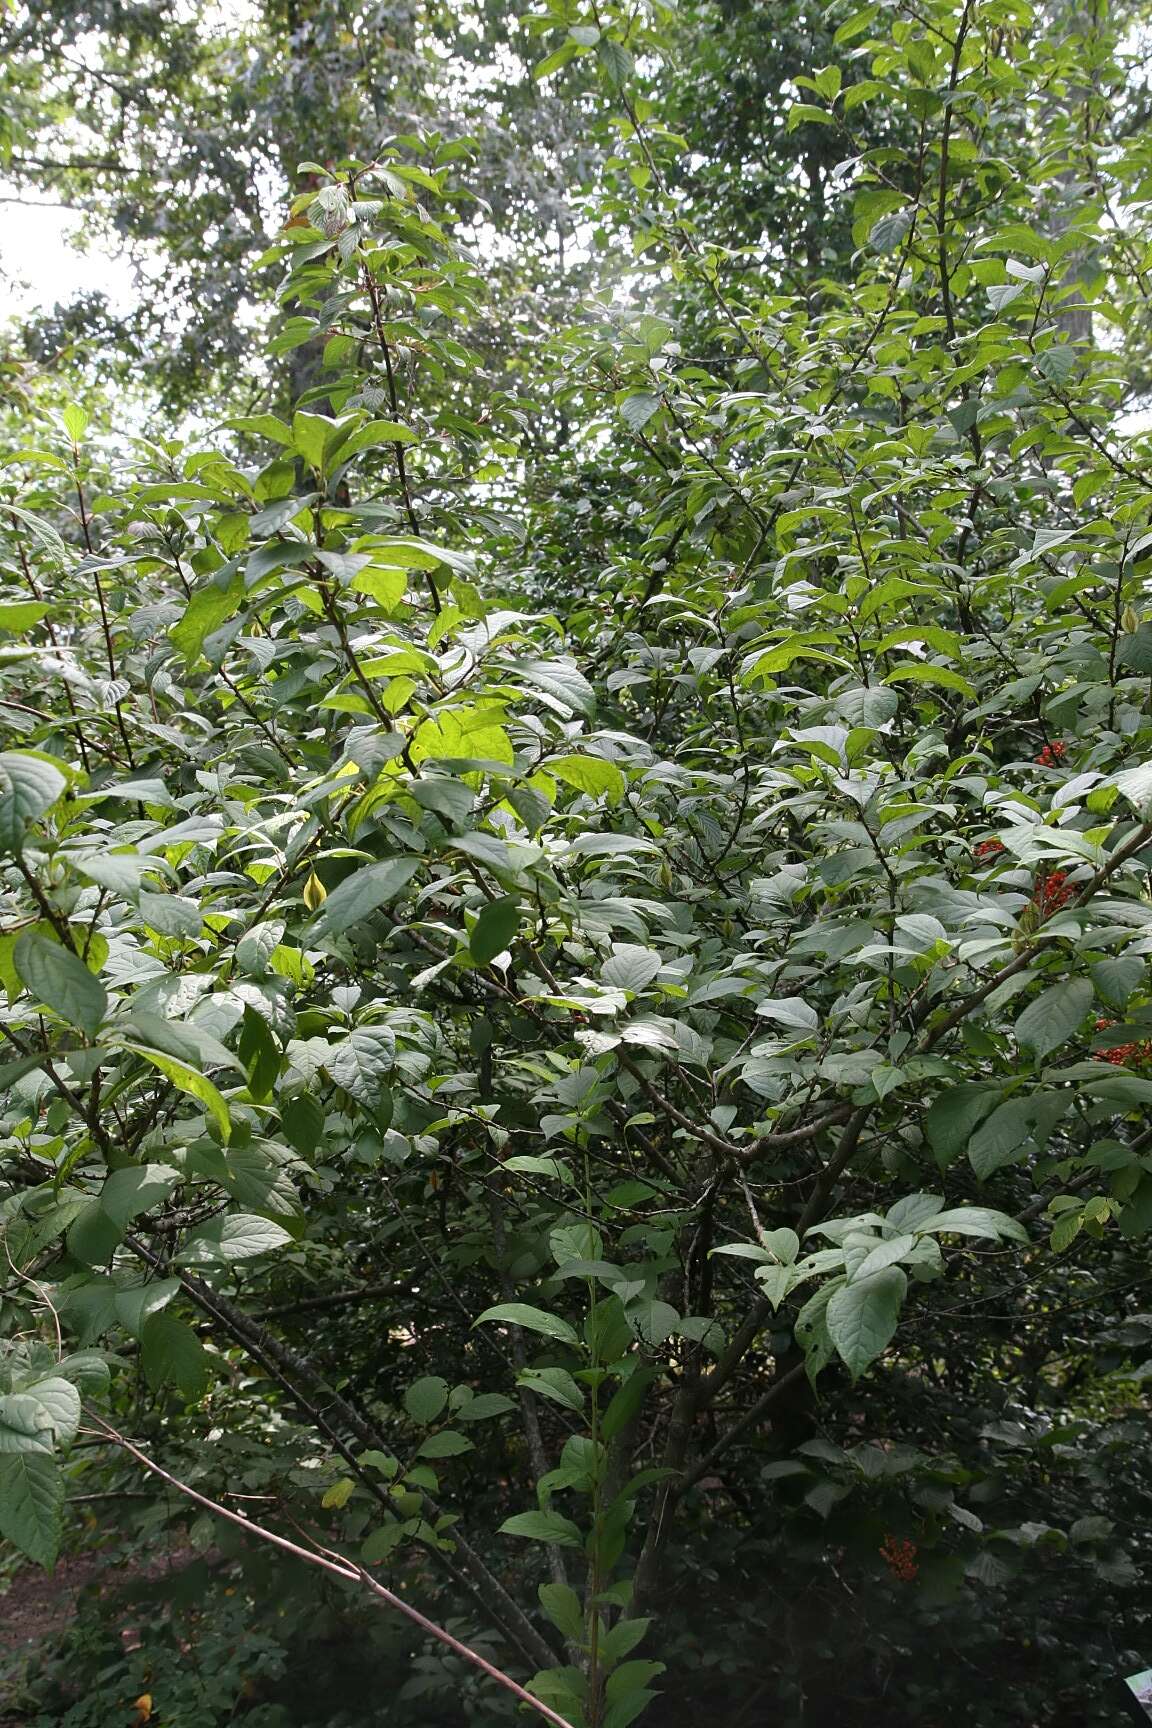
[900,1557]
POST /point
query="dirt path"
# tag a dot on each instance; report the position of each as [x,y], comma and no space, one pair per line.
[39,1604]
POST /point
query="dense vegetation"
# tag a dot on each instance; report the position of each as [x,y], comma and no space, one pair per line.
[576,829]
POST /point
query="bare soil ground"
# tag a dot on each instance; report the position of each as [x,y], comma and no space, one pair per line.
[37,1606]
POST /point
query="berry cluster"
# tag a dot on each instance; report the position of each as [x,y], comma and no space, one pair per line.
[987,848]
[1051,754]
[900,1555]
[1053,892]
[1123,1055]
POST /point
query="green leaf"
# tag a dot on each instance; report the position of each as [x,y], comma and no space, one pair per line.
[890,231]
[260,1055]
[562,1606]
[128,1192]
[914,672]
[543,1527]
[998,1140]
[558,58]
[264,426]
[60,1399]
[1052,1018]
[623,1638]
[196,1085]
[338,1495]
[626,1402]
[387,587]
[171,914]
[60,980]
[377,1546]
[862,1317]
[32,1504]
[495,929]
[377,432]
[172,1355]
[446,1444]
[360,1062]
[363,893]
[29,786]
[561,682]
[532,1320]
[553,1383]
[136,1304]
[801,112]
[413,553]
[426,1398]
[1115,979]
[25,1424]
[302,1123]
[552,1168]
[75,421]
[636,410]
[974,1221]
[19,615]
[1135,784]
[954,1115]
[209,608]
[236,1236]
[484,1406]
[316,437]
[631,967]
[592,774]
[615,62]
[256,947]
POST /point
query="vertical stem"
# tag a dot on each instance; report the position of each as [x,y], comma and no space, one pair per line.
[105,622]
[373,291]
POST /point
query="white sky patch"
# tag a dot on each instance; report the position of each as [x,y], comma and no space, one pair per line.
[41,265]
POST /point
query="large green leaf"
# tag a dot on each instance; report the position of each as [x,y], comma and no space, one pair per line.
[208,608]
[363,893]
[975,1221]
[32,1504]
[29,785]
[59,979]
[862,1317]
[360,1062]
[26,1425]
[236,1236]
[532,1319]
[998,1140]
[426,1398]
[592,774]
[17,616]
[495,929]
[61,1400]
[543,1527]
[631,967]
[560,683]
[1053,1017]
[136,1189]
[197,1086]
[172,1355]
[955,1114]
